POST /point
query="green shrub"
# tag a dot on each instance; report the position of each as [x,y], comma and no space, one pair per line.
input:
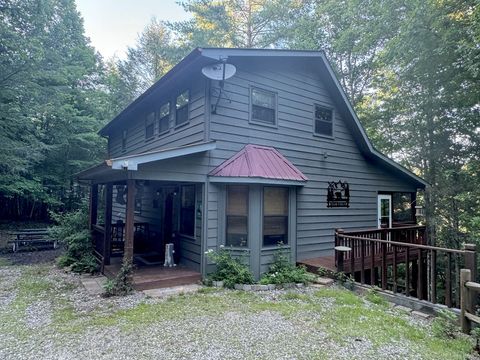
[282,271]
[72,231]
[374,297]
[445,325]
[231,270]
[121,284]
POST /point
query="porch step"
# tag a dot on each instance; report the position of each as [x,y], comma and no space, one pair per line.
[176,280]
[155,277]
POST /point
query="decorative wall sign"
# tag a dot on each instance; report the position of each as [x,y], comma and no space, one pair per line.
[338,194]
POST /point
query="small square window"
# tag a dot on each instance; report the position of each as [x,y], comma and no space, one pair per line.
[164,118]
[264,106]
[323,121]
[150,126]
[181,105]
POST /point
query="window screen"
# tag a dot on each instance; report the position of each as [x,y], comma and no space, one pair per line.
[150,126]
[263,106]
[275,216]
[164,118]
[323,120]
[181,105]
[237,216]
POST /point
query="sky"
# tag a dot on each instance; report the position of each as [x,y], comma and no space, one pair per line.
[113,25]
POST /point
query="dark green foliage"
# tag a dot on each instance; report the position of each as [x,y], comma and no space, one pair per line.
[71,230]
[445,324]
[50,106]
[229,269]
[121,284]
[282,271]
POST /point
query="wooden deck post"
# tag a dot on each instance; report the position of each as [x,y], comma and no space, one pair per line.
[448,279]
[93,206]
[129,222]
[465,303]
[433,276]
[471,259]
[107,236]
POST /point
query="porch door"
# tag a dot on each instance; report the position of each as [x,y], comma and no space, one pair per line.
[384,211]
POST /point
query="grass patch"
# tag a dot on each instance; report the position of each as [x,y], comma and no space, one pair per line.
[341,297]
[343,318]
[4,262]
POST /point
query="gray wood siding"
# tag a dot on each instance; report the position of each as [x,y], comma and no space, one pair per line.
[192,132]
[297,91]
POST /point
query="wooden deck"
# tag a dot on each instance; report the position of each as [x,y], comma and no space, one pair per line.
[152,277]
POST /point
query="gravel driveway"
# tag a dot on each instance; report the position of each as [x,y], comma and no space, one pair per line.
[46,314]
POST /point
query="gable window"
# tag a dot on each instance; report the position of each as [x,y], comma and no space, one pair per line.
[164,118]
[237,216]
[181,105]
[264,105]
[150,126]
[124,140]
[275,216]
[187,210]
[323,121]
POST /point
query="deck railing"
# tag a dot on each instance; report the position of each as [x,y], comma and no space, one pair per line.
[399,259]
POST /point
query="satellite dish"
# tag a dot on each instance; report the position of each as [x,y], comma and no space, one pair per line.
[220,71]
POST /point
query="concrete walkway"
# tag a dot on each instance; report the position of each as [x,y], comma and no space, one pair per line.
[94,284]
[172,291]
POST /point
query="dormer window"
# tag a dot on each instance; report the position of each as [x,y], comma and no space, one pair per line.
[264,105]
[323,123]
[164,118]
[150,126]
[181,105]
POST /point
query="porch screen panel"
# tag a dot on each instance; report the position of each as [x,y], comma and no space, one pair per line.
[237,216]
[275,216]
[402,208]
[187,210]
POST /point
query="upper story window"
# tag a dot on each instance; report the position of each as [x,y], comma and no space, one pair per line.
[323,120]
[164,118]
[237,216]
[264,105]
[124,140]
[275,216]
[187,210]
[150,126]
[181,105]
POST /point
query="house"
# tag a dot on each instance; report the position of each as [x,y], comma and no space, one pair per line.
[273,154]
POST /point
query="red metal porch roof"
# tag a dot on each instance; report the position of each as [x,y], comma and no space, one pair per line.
[260,162]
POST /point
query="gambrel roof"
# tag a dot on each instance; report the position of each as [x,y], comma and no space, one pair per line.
[200,57]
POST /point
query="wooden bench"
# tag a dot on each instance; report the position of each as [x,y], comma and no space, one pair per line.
[32,238]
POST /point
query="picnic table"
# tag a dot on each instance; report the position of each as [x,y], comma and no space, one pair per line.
[32,239]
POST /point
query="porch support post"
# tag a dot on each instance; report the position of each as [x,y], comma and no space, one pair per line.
[129,222]
[93,206]
[108,224]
